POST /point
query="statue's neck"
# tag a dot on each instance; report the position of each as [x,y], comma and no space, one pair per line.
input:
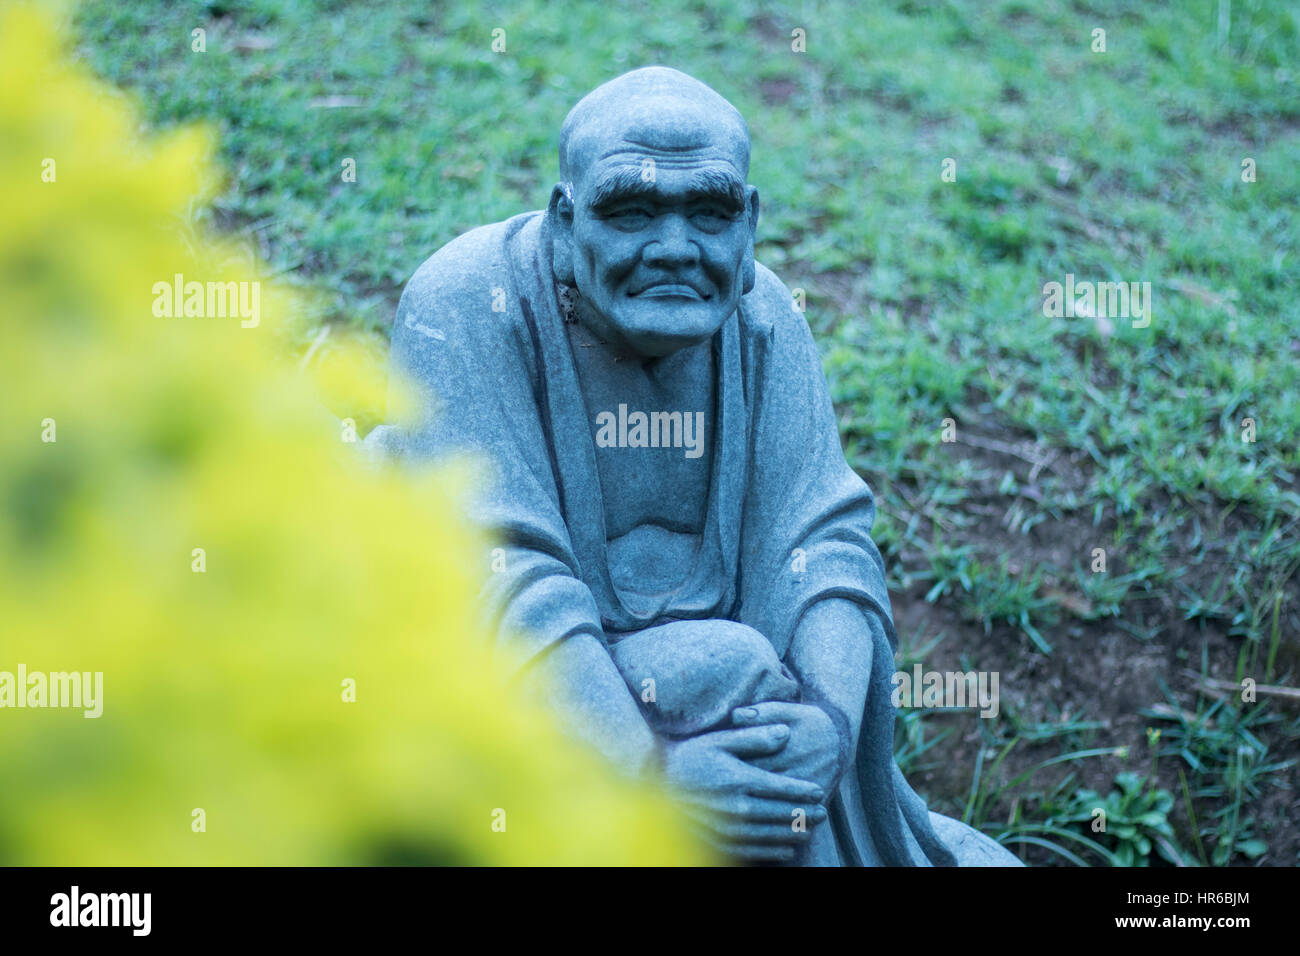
[577,311]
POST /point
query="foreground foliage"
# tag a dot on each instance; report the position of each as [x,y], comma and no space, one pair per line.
[178,512]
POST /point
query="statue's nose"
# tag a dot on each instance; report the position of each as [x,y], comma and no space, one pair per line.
[672,245]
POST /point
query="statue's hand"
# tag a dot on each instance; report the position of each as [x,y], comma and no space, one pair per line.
[743,809]
[815,750]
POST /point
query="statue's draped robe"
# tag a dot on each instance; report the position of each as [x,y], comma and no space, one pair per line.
[788,522]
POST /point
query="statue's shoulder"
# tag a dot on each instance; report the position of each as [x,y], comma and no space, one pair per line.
[459,301]
[463,274]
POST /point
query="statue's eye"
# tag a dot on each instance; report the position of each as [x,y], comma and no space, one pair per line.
[711,217]
[629,217]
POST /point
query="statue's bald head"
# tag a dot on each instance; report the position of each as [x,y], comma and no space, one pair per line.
[653,224]
[659,111]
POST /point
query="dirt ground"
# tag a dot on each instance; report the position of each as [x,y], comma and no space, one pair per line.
[1097,671]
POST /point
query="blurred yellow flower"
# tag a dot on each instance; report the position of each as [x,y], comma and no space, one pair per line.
[291,666]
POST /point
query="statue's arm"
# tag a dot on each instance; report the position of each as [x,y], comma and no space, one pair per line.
[578,680]
[831,656]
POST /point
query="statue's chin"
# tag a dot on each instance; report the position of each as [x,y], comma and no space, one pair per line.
[662,325]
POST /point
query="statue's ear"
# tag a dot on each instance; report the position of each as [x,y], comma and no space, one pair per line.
[560,215]
[748,275]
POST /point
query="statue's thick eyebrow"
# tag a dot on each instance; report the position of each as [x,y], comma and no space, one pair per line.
[709,184]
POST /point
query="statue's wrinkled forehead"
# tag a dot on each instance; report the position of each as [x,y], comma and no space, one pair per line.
[656,113]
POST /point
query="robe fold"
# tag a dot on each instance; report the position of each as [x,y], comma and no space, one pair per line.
[480,331]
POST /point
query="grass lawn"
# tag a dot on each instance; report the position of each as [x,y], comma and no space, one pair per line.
[1165,446]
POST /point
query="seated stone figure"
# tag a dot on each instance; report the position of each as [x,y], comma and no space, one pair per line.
[686,562]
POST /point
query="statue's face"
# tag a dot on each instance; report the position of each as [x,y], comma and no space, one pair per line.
[662,235]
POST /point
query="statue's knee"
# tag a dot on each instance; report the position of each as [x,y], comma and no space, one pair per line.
[692,674]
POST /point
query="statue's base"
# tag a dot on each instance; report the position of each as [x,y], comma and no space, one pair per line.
[971,847]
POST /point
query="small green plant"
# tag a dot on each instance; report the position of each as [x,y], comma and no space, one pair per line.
[1229,767]
[1132,819]
[1032,820]
[993,593]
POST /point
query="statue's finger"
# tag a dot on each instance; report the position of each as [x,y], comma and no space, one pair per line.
[720,812]
[752,741]
[759,810]
[731,841]
[767,712]
[702,809]
[767,833]
[764,783]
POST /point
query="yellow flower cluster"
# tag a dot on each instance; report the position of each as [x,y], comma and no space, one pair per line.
[292,671]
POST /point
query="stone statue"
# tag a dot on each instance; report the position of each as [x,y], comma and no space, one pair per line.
[686,563]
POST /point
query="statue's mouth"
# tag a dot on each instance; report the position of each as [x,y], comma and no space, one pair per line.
[669,290]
